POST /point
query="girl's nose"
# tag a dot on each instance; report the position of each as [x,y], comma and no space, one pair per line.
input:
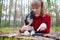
[34,10]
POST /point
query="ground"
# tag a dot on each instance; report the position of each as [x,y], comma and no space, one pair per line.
[15,30]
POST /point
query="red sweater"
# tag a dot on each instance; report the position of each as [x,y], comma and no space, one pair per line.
[45,19]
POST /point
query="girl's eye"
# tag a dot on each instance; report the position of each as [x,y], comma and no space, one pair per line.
[35,8]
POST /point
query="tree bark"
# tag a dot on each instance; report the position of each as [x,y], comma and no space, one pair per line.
[15,21]
[0,11]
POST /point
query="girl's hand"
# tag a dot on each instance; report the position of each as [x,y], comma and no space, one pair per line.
[43,26]
[25,28]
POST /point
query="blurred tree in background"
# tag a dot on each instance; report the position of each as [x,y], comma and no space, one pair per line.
[0,11]
[53,7]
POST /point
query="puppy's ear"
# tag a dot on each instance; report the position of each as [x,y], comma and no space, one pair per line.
[32,14]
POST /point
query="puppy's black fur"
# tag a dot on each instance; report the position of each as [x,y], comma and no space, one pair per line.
[31,15]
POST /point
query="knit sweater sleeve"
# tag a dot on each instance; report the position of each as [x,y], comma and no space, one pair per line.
[47,20]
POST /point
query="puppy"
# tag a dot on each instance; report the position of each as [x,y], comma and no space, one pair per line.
[28,21]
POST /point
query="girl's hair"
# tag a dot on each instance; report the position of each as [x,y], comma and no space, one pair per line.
[36,4]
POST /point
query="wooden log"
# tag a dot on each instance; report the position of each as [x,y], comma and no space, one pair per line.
[51,36]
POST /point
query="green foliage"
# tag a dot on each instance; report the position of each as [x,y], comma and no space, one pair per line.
[49,3]
[26,38]
[0,38]
[7,29]
[15,38]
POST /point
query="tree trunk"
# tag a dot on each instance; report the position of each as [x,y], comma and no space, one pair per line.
[57,14]
[15,21]
[21,14]
[0,11]
[57,17]
[10,7]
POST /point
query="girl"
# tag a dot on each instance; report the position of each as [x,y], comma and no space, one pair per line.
[41,21]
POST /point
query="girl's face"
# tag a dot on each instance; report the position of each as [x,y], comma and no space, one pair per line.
[37,9]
